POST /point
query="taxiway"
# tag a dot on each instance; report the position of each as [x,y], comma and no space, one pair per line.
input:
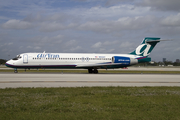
[11,80]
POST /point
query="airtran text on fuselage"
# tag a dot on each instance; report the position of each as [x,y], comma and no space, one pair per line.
[48,55]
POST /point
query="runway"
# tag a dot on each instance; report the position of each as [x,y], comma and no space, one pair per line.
[129,68]
[11,80]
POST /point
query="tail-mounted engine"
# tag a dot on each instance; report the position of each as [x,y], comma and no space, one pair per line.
[124,60]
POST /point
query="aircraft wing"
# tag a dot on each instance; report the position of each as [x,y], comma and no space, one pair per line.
[98,66]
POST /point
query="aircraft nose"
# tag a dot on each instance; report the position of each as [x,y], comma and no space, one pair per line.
[8,63]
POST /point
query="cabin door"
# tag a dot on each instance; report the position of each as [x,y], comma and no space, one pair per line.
[25,58]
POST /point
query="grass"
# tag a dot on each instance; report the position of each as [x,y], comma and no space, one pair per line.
[105,103]
[100,71]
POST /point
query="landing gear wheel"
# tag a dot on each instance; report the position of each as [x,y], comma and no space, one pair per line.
[15,70]
[95,71]
[90,70]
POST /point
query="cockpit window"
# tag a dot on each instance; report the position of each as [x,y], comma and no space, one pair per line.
[17,58]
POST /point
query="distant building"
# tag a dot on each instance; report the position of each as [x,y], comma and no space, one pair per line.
[170,65]
[164,59]
[177,61]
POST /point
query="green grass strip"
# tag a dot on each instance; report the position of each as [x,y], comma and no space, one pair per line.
[90,103]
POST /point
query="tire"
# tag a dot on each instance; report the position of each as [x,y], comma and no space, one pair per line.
[95,71]
[90,70]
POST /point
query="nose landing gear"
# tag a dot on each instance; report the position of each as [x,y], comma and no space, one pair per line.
[15,70]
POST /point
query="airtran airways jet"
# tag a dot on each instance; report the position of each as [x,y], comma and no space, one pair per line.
[92,62]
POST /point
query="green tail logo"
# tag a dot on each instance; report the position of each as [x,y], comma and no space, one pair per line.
[146,46]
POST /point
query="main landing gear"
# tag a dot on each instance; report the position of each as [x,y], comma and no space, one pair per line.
[93,71]
[15,70]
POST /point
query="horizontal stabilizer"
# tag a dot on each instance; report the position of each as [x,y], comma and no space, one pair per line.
[157,41]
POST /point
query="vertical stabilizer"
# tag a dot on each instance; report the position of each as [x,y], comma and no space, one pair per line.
[145,48]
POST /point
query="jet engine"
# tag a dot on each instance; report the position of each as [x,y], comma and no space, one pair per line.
[124,60]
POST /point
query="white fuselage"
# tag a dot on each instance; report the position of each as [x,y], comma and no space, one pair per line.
[92,62]
[69,60]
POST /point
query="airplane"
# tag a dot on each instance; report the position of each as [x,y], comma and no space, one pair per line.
[90,61]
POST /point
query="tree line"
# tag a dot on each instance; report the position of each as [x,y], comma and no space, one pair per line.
[2,61]
[166,63]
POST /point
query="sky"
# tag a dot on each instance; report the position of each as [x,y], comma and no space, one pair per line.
[89,26]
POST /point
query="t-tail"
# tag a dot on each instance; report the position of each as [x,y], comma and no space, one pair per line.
[145,48]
